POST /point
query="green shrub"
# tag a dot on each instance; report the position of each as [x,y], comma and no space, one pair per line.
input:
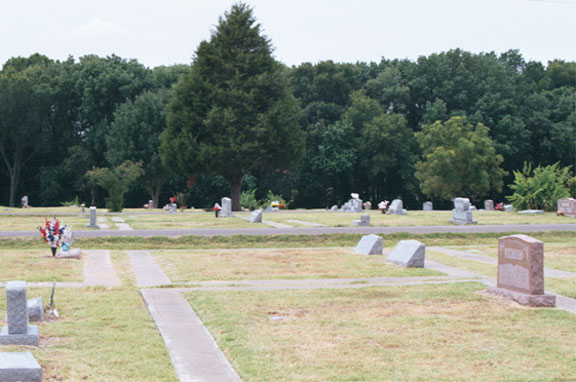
[541,188]
[248,199]
[270,197]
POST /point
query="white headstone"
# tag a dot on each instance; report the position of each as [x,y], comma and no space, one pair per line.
[334,208]
[489,205]
[369,245]
[508,208]
[461,214]
[256,217]
[397,208]
[427,206]
[363,222]
[226,211]
[409,254]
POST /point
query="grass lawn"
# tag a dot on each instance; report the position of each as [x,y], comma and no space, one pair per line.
[36,265]
[186,220]
[30,223]
[413,218]
[444,332]
[262,264]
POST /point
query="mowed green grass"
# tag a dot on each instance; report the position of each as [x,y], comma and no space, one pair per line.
[37,265]
[277,263]
[186,220]
[448,332]
[31,223]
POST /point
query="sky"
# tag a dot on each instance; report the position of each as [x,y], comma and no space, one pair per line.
[167,32]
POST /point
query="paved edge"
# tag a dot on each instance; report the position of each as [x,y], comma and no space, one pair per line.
[148,273]
[194,352]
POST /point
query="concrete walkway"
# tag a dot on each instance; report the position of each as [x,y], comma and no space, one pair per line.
[548,272]
[309,224]
[148,273]
[195,354]
[315,230]
[121,224]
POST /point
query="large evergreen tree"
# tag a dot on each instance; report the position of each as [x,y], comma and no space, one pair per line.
[233,111]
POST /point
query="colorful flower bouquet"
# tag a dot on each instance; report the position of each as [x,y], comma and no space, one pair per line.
[383,206]
[52,233]
[499,207]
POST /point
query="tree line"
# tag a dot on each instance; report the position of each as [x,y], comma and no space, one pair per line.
[450,124]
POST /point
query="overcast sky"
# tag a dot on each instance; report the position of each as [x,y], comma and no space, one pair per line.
[167,32]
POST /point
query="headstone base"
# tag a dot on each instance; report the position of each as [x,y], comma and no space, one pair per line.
[31,338]
[531,212]
[71,254]
[22,366]
[461,222]
[535,300]
[93,226]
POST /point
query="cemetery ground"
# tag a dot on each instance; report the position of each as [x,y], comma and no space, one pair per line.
[301,308]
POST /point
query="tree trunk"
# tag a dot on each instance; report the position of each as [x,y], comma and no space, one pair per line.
[235,190]
[14,178]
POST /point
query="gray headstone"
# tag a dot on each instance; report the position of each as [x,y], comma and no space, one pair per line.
[567,207]
[334,208]
[35,309]
[256,216]
[355,205]
[363,222]
[369,245]
[83,208]
[19,367]
[427,206]
[508,208]
[489,205]
[397,208]
[92,219]
[18,331]
[226,211]
[173,208]
[409,254]
[461,214]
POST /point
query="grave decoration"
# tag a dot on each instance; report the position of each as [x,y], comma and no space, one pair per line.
[52,233]
[383,206]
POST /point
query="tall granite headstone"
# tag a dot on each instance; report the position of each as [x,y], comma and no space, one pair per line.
[567,207]
[226,211]
[489,205]
[18,332]
[521,271]
[92,218]
[461,213]
[427,206]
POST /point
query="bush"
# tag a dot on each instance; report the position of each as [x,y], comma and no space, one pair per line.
[541,188]
[270,197]
[248,199]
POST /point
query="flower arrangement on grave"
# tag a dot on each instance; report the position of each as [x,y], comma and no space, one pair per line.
[275,203]
[383,206]
[52,234]
[499,207]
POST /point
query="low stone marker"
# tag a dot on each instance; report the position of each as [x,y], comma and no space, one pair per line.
[83,208]
[35,309]
[226,211]
[363,222]
[531,212]
[256,217]
[19,367]
[408,254]
[369,245]
[521,271]
[461,213]
[567,207]
[508,208]
[397,208]
[489,205]
[427,206]
[18,332]
[92,218]
[334,208]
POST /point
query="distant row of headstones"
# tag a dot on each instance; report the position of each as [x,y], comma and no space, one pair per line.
[520,265]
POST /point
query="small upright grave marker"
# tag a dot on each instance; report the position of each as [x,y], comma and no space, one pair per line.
[521,271]
[92,218]
[461,213]
[567,207]
[489,205]
[408,254]
[363,222]
[256,216]
[369,245]
[427,206]
[18,332]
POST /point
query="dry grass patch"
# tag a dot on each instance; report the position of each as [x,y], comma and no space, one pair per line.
[101,335]
[404,333]
[258,264]
[36,265]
